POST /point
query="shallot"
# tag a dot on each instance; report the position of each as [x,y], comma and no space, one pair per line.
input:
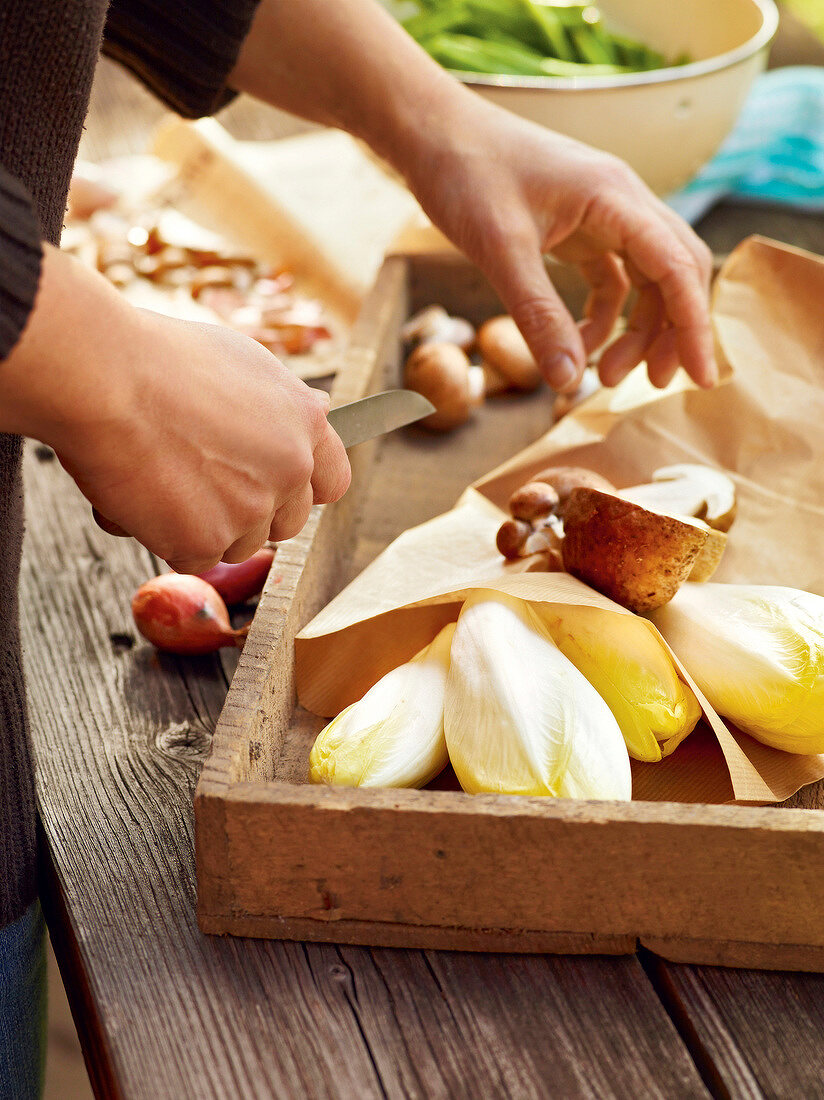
[240,582]
[179,613]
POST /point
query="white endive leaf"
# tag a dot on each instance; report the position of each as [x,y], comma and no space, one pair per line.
[519,717]
[393,736]
[757,653]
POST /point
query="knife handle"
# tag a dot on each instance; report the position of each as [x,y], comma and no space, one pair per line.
[107,525]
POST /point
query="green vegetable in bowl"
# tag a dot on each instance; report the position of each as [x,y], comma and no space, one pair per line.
[522,38]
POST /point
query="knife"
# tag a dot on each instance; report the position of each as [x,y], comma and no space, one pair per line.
[354,423]
[375,415]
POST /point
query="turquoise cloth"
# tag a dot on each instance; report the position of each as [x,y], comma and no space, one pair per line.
[775,152]
[23,1006]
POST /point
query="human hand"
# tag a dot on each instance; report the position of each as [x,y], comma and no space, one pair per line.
[192,438]
[506,192]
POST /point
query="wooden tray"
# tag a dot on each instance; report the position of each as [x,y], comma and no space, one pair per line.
[280,858]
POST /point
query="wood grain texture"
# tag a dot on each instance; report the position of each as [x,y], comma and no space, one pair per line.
[754,1034]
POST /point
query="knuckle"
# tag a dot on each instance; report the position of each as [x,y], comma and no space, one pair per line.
[250,511]
[614,173]
[296,473]
[316,414]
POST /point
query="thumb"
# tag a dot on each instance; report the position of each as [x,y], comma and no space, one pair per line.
[519,275]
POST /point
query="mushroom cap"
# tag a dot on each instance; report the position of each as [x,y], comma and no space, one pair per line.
[441,373]
[433,325]
[511,537]
[502,346]
[533,501]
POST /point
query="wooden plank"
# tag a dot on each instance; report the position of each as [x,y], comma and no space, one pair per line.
[546,1012]
[439,859]
[753,1033]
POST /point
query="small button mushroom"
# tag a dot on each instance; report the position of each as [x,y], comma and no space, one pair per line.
[533,501]
[511,537]
[120,274]
[434,325]
[502,346]
[442,373]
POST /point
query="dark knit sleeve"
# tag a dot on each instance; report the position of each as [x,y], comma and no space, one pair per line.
[183,50]
[20,255]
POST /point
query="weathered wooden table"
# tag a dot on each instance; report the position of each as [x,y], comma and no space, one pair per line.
[165,1013]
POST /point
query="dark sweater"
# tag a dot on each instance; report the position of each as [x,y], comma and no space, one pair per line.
[183,50]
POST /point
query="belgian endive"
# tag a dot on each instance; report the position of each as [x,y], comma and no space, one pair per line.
[519,717]
[757,653]
[632,670]
[393,736]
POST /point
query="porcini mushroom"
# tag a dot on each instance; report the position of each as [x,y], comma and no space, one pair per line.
[637,557]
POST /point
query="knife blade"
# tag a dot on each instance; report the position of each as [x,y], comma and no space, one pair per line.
[375,415]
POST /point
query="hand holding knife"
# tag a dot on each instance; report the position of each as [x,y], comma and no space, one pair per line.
[354,423]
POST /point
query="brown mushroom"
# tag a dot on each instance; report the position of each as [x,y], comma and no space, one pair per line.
[504,349]
[564,479]
[637,557]
[494,381]
[442,372]
[533,501]
[518,539]
[512,534]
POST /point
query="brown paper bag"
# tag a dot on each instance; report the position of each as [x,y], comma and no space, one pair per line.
[763,425]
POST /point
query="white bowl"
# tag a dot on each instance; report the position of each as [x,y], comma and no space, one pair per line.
[666,123]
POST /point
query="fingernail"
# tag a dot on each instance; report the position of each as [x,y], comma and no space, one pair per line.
[562,372]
